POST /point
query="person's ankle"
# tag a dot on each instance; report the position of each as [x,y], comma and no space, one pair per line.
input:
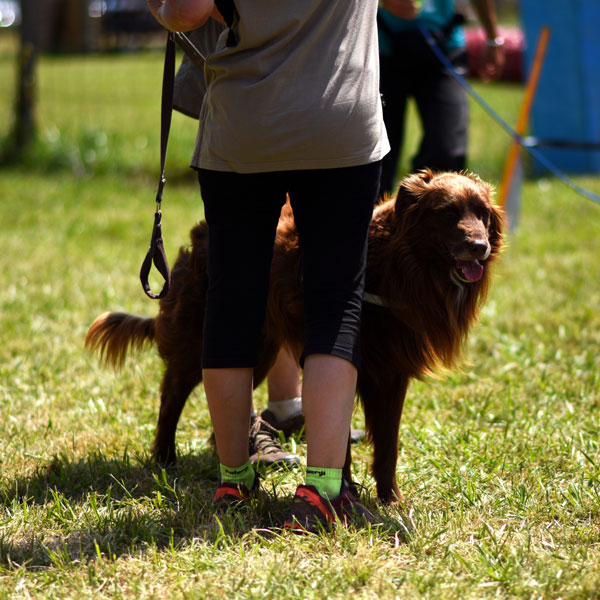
[285,409]
[244,474]
[328,482]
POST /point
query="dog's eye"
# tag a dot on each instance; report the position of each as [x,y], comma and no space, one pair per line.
[483,214]
[450,212]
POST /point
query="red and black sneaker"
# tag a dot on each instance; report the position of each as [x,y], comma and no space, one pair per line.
[230,495]
[311,512]
[350,509]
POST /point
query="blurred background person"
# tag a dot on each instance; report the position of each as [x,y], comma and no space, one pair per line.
[409,68]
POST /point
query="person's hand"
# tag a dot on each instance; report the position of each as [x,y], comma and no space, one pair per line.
[182,15]
[493,63]
[404,9]
[156,8]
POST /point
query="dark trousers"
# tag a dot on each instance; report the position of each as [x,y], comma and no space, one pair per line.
[412,70]
[332,210]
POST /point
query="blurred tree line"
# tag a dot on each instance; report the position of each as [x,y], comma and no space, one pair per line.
[66,26]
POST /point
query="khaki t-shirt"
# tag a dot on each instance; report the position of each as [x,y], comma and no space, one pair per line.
[299,91]
[190,87]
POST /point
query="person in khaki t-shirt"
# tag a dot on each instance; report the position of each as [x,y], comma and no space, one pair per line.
[292,109]
[283,413]
[311,78]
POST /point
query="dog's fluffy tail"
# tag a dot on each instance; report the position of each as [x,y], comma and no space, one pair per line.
[112,335]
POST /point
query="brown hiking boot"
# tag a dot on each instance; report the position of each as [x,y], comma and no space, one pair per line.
[288,427]
[296,425]
[265,447]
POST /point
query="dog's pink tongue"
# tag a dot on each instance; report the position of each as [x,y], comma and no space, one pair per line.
[472,269]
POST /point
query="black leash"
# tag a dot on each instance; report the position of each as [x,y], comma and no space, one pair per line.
[156,253]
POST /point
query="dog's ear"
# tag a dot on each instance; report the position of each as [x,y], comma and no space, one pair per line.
[412,189]
[495,228]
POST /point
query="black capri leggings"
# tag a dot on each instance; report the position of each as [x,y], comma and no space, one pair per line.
[332,209]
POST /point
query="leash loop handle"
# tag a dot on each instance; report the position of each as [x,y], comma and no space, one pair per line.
[156,253]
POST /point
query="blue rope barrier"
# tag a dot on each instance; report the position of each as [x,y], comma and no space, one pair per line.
[522,141]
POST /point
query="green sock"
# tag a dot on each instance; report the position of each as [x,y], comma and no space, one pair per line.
[244,474]
[327,481]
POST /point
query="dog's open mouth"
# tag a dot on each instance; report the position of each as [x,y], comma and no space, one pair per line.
[469,271]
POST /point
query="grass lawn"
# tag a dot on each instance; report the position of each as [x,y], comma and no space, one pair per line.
[500,462]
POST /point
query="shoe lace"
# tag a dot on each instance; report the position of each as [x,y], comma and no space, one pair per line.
[356,488]
[264,438]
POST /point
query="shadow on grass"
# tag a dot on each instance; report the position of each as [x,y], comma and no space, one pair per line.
[122,478]
[96,507]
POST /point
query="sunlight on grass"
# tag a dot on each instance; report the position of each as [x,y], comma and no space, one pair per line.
[499,460]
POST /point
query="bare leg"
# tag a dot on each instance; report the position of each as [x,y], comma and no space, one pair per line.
[328,399]
[229,395]
[284,380]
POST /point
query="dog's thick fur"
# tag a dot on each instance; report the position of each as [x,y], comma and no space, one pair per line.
[430,251]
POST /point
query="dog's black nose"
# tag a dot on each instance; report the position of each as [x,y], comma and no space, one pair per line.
[479,249]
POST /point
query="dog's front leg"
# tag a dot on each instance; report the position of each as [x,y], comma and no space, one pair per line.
[383,401]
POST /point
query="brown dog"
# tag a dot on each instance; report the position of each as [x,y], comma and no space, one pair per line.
[430,250]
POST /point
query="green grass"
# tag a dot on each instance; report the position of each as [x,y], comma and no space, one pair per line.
[500,462]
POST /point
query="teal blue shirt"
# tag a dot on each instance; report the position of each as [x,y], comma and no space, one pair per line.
[434,14]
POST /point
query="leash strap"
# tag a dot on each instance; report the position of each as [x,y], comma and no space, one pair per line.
[156,253]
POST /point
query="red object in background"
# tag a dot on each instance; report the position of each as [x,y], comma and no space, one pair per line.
[514,48]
